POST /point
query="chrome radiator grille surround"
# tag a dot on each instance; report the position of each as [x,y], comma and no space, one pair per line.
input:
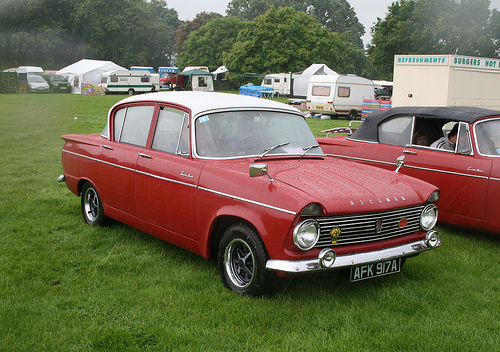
[369,227]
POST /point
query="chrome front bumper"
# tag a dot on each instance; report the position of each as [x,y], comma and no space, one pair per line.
[344,261]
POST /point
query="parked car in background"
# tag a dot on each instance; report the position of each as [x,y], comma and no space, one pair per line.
[244,180]
[36,83]
[468,176]
[57,83]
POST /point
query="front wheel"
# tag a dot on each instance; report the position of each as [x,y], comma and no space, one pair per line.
[242,261]
[92,209]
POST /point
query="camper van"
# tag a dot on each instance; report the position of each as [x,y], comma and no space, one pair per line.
[338,94]
[131,82]
[279,82]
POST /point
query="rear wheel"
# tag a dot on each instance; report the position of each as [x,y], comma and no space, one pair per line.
[92,209]
[131,91]
[353,115]
[242,261]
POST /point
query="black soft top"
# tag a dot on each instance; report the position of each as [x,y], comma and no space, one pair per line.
[368,129]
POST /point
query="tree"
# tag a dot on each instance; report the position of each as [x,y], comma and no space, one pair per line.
[465,27]
[128,32]
[285,40]
[55,33]
[36,32]
[206,45]
[187,27]
[336,15]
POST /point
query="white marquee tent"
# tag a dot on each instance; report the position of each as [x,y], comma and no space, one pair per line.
[84,76]
[301,79]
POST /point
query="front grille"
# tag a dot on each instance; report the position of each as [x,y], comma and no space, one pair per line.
[369,227]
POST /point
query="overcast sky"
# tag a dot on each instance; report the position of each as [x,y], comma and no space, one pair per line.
[366,10]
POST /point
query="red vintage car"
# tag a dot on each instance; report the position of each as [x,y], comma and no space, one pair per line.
[463,162]
[244,180]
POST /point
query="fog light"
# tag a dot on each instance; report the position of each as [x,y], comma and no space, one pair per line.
[327,258]
[432,239]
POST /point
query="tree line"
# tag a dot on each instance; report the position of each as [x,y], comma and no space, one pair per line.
[254,37]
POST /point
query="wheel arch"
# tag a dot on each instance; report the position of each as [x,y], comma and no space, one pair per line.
[220,225]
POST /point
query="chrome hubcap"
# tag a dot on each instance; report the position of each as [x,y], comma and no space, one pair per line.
[240,263]
[91,204]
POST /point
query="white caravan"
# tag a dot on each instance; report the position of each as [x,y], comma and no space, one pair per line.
[131,82]
[279,82]
[338,94]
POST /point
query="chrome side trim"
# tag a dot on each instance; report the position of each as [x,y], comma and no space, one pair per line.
[185,184]
[165,179]
[344,261]
[248,201]
[408,166]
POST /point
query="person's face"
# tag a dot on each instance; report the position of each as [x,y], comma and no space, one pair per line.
[453,139]
[421,140]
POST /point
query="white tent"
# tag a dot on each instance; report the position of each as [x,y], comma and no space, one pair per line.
[84,76]
[301,79]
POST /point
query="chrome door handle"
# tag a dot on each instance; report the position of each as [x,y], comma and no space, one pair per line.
[106,146]
[409,152]
[145,155]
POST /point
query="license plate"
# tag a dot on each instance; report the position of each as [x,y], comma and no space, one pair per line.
[319,107]
[367,271]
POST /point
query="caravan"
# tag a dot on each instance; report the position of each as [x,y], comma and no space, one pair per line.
[131,82]
[338,94]
[279,82]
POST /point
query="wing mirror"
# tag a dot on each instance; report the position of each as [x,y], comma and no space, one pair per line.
[258,170]
[400,162]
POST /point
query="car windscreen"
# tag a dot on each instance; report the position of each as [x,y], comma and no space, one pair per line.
[253,133]
[36,79]
[488,137]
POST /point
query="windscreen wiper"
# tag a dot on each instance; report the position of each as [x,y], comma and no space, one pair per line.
[306,149]
[272,148]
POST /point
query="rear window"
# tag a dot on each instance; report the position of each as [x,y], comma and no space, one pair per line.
[321,91]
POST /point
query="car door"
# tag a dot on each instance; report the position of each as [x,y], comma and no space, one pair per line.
[461,177]
[166,179]
[129,133]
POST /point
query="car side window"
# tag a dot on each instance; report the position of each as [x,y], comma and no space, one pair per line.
[396,131]
[463,141]
[172,132]
[135,124]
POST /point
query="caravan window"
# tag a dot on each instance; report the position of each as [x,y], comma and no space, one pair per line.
[104,80]
[268,81]
[344,92]
[321,91]
[276,80]
[145,79]
[113,79]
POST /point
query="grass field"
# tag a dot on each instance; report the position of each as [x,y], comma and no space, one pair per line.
[67,286]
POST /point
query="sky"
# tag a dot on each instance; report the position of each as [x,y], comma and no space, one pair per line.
[366,10]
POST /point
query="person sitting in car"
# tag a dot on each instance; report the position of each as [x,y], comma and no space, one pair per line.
[447,142]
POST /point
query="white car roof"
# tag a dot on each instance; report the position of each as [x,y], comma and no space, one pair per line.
[201,102]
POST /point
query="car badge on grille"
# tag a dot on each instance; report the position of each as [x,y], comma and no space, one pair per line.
[335,233]
[403,222]
[379,226]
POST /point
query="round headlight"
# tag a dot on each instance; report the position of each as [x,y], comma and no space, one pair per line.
[429,216]
[306,234]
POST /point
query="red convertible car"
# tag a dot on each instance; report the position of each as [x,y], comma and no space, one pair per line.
[244,180]
[455,148]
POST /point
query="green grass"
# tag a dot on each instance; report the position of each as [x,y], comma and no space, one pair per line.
[66,286]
